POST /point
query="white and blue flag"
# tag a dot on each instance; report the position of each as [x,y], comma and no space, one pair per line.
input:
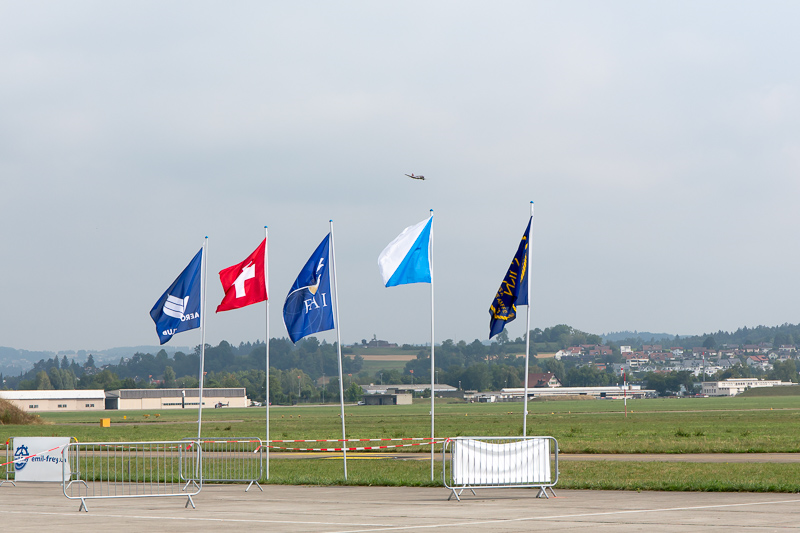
[178,309]
[308,308]
[407,259]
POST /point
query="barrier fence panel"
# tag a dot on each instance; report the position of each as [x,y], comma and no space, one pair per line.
[500,462]
[230,461]
[9,464]
[101,470]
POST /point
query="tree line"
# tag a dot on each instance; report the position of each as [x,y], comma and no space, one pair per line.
[308,371]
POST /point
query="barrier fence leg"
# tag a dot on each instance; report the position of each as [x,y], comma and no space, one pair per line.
[83,506]
[188,501]
[256,484]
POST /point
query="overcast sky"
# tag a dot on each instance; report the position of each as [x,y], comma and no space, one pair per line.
[658,140]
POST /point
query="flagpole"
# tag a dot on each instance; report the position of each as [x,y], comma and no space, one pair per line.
[202,338]
[266,341]
[338,347]
[527,330]
[433,393]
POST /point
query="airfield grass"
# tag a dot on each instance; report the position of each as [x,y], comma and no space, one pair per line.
[696,425]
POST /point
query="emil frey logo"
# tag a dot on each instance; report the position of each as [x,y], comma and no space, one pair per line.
[21,451]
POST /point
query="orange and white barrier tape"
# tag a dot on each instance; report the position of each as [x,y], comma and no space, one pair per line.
[356,448]
[25,458]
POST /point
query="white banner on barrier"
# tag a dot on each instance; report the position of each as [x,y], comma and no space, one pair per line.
[44,467]
[485,463]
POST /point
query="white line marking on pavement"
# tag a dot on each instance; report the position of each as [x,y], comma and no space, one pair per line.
[558,517]
[192,518]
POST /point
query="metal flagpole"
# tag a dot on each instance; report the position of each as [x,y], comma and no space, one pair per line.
[202,338]
[433,394]
[266,341]
[338,347]
[527,330]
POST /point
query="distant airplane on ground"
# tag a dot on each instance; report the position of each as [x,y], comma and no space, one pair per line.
[412,176]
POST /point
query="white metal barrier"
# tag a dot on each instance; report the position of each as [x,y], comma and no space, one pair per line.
[230,461]
[9,464]
[500,462]
[100,470]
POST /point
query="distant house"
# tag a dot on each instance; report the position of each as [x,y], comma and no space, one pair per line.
[757,348]
[661,357]
[546,379]
[377,343]
[699,351]
[759,361]
[636,359]
[647,348]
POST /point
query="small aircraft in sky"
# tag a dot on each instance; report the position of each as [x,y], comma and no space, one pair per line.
[413,177]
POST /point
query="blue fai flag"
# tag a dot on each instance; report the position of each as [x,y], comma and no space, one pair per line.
[407,258]
[308,307]
[514,289]
[178,309]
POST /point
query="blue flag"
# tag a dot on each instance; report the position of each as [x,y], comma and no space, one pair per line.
[308,307]
[178,309]
[514,289]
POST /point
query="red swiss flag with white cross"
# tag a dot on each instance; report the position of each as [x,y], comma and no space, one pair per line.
[245,283]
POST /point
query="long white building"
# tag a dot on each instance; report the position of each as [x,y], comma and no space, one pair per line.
[35,401]
[734,386]
[175,398]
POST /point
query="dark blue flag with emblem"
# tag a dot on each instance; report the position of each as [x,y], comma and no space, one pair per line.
[308,308]
[178,309]
[514,289]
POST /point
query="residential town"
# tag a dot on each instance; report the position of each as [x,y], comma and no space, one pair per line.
[700,361]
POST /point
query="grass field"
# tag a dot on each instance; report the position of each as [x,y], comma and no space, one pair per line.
[696,425]
[371,366]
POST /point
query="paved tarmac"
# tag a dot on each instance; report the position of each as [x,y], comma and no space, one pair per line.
[42,507]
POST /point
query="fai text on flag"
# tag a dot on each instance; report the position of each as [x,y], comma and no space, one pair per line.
[308,308]
[407,258]
[514,289]
[245,283]
[178,309]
